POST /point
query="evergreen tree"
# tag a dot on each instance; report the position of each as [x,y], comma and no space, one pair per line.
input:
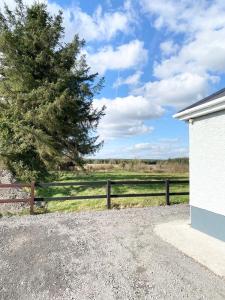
[46,94]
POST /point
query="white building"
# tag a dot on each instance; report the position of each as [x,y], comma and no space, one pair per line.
[207,163]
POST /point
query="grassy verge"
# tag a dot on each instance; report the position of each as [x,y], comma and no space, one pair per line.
[118,203]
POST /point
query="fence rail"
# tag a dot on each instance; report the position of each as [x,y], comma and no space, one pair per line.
[29,200]
[108,196]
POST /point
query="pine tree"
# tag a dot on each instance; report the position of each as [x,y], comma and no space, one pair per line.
[46,94]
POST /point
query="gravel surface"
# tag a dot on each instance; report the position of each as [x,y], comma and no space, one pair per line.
[99,255]
[11,193]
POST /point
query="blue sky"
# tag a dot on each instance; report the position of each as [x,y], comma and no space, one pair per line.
[157,56]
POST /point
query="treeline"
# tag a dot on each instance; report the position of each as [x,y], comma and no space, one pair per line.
[180,160]
[174,165]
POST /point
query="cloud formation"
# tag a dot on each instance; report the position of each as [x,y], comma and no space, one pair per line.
[99,26]
[186,70]
[132,80]
[102,26]
[175,91]
[169,47]
[188,17]
[124,117]
[127,56]
[160,149]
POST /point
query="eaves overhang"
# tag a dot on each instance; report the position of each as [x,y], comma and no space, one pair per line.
[201,110]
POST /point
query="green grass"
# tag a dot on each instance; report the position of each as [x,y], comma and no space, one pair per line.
[117,203]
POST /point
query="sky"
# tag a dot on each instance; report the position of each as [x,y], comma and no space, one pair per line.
[157,57]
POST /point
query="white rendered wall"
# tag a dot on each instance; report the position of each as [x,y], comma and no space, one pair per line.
[207,162]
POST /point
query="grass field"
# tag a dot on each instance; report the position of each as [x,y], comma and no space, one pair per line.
[78,205]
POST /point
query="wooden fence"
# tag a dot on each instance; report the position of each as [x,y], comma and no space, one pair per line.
[108,196]
[29,200]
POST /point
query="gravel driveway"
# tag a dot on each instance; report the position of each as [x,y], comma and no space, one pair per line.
[99,255]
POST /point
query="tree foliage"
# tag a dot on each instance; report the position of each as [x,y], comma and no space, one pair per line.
[46,94]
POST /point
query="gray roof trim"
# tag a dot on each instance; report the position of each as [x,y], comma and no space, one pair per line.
[212,97]
[203,109]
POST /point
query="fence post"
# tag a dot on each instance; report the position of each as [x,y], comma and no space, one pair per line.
[108,194]
[167,187]
[32,197]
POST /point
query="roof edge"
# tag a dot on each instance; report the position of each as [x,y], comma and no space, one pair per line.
[201,110]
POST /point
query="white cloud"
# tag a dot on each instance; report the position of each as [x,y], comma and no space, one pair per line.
[167,13]
[175,91]
[98,26]
[203,22]
[123,129]
[186,16]
[190,69]
[126,56]
[206,53]
[132,80]
[157,150]
[169,47]
[101,26]
[125,116]
[170,148]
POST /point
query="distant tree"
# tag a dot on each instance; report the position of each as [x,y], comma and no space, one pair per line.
[46,94]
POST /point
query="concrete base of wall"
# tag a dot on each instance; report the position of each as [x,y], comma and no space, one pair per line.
[208,222]
[205,249]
